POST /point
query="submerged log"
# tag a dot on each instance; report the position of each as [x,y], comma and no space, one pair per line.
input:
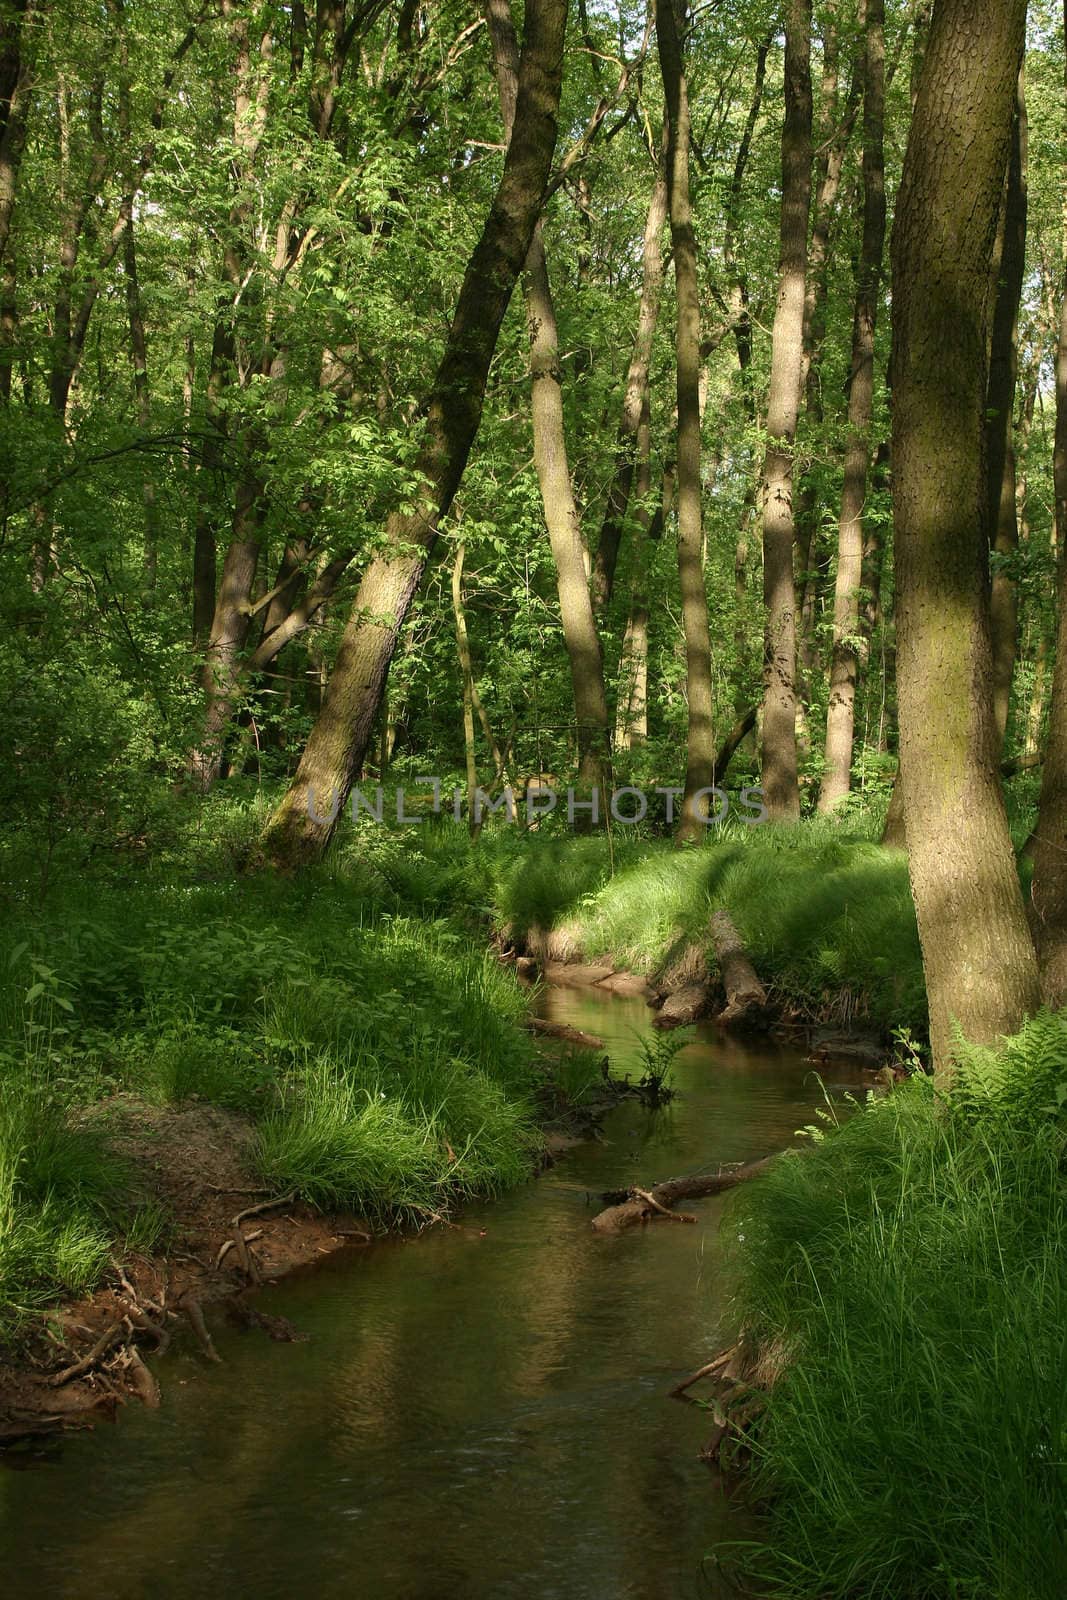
[561,1030]
[646,1204]
[746,998]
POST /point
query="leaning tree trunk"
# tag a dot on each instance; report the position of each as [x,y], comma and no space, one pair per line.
[844,667]
[1000,409]
[550,458]
[1048,899]
[780,787]
[700,746]
[981,970]
[304,822]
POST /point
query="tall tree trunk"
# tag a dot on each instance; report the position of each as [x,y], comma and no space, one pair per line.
[780,788]
[550,458]
[303,825]
[631,719]
[981,970]
[223,662]
[14,94]
[834,135]
[1000,410]
[844,668]
[607,553]
[205,549]
[700,747]
[564,528]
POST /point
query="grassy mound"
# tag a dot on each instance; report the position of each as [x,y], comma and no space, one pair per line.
[379,1055]
[827,917]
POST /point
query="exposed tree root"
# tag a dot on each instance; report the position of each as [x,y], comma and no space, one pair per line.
[100,1348]
[192,1308]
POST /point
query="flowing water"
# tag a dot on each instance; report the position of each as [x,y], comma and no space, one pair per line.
[480,1413]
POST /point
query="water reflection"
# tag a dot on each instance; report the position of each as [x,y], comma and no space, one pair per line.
[478,1413]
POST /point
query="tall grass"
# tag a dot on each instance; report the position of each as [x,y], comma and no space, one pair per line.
[826,915]
[907,1281]
[380,1053]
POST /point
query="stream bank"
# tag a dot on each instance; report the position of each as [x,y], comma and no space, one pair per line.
[514,1360]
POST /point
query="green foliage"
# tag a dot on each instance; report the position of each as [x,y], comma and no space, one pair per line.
[380,1055]
[61,1194]
[827,917]
[904,1281]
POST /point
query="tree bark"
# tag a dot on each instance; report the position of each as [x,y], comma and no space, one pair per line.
[700,747]
[746,998]
[550,458]
[981,970]
[844,668]
[631,720]
[1000,410]
[634,396]
[780,787]
[223,661]
[304,822]
[564,527]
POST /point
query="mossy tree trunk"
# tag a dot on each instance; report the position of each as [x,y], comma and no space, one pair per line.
[981,969]
[844,667]
[302,826]
[700,747]
[780,787]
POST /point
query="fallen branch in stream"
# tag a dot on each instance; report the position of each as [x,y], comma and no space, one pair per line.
[560,1030]
[644,1205]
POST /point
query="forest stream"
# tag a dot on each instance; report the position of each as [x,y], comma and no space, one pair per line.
[481,1411]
